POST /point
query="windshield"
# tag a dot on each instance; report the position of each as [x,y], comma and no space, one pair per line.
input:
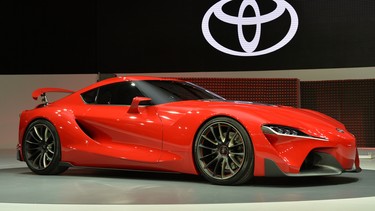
[171,91]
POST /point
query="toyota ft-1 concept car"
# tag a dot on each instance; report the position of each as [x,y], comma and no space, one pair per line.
[157,124]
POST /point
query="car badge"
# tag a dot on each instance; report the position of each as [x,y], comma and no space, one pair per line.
[340,130]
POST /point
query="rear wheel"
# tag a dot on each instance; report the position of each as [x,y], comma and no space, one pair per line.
[223,152]
[41,148]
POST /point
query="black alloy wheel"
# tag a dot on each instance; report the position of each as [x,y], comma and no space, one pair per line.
[41,148]
[223,152]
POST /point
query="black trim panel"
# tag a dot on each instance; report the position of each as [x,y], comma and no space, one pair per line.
[19,155]
[326,166]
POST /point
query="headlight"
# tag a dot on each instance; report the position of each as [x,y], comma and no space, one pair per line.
[288,131]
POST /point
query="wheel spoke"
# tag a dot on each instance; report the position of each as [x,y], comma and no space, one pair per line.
[209,155]
[231,157]
[33,143]
[33,148]
[220,132]
[37,133]
[37,158]
[216,166]
[227,136]
[223,164]
[51,145]
[211,141]
[48,157]
[34,153]
[205,147]
[40,164]
[50,151]
[213,133]
[33,136]
[236,145]
[237,153]
[211,162]
[46,136]
[228,166]
[45,160]
[233,138]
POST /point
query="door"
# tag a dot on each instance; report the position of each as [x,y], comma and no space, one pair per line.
[117,133]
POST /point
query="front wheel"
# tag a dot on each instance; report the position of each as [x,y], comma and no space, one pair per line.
[41,148]
[223,152]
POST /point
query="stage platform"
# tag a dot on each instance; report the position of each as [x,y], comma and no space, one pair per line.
[91,189]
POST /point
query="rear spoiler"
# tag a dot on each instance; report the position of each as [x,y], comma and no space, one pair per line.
[42,93]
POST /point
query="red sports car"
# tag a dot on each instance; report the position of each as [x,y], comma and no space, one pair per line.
[148,123]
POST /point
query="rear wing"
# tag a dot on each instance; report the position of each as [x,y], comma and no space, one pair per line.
[42,93]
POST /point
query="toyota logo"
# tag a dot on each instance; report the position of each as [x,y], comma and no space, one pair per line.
[340,130]
[249,48]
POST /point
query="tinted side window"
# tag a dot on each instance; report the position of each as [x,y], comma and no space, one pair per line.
[90,96]
[173,91]
[113,94]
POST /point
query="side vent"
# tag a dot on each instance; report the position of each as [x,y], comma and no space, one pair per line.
[84,129]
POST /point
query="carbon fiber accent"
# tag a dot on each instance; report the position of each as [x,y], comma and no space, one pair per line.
[19,155]
[316,164]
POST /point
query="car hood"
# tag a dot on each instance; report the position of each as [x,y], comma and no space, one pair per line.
[286,114]
[264,113]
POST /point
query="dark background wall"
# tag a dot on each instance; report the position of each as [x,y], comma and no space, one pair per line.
[92,36]
[48,37]
[350,101]
[275,91]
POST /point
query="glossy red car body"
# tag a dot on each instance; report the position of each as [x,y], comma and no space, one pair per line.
[161,137]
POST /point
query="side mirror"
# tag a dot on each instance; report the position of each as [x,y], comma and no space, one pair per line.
[135,104]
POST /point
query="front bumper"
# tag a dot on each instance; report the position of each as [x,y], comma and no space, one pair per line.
[315,164]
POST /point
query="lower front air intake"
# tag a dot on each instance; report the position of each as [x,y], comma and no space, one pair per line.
[315,164]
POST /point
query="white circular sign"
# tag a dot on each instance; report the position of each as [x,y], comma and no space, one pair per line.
[249,47]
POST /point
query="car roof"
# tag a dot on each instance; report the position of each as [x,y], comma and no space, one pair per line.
[125,78]
[138,78]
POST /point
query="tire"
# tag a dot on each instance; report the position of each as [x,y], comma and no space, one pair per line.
[223,152]
[41,148]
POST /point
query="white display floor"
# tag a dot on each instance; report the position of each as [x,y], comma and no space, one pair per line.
[99,189]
